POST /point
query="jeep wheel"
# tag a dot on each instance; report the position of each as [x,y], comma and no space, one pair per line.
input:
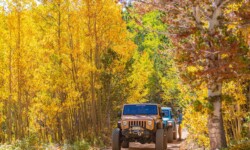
[161,143]
[170,135]
[116,145]
[125,144]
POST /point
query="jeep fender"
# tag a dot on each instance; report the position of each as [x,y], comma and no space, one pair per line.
[119,124]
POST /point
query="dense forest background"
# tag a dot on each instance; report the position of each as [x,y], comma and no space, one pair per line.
[68,66]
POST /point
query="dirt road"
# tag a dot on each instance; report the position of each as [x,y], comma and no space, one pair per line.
[171,146]
[137,146]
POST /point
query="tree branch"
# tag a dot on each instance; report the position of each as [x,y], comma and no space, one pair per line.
[197,18]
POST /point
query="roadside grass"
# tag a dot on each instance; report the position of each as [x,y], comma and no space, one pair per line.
[34,143]
[241,146]
[25,145]
[244,144]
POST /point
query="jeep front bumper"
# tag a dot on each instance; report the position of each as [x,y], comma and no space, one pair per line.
[137,133]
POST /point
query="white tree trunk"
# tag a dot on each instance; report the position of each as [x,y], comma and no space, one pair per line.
[215,121]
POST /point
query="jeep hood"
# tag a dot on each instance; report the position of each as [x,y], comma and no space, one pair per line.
[167,119]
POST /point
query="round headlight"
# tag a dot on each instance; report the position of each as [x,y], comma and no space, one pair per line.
[124,123]
[150,123]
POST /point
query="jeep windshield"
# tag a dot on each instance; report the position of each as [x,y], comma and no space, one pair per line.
[140,110]
[166,113]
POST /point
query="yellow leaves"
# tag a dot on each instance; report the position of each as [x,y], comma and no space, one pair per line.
[189,94]
[126,49]
[233,7]
[230,11]
[223,56]
[192,69]
[233,99]
[195,115]
[142,70]
[236,91]
[232,26]
[106,31]
[245,31]
[56,57]
[197,126]
[168,85]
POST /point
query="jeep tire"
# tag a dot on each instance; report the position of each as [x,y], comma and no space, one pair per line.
[170,134]
[116,144]
[160,142]
[125,144]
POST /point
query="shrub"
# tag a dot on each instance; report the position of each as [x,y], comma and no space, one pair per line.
[242,146]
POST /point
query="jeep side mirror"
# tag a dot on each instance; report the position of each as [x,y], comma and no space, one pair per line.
[119,114]
[162,114]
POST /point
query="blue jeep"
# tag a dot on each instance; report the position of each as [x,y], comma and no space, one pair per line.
[169,123]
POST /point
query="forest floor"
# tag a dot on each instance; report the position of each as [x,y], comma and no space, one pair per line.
[176,145]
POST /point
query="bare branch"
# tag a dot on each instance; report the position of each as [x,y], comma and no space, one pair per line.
[197,18]
[223,3]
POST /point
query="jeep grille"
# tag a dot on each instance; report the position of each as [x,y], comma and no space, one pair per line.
[137,123]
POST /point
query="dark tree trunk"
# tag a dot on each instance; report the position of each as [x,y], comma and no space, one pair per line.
[248,106]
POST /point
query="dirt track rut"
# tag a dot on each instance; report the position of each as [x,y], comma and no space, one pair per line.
[171,146]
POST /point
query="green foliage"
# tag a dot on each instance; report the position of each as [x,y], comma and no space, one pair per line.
[158,78]
[29,143]
[244,145]
[80,145]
